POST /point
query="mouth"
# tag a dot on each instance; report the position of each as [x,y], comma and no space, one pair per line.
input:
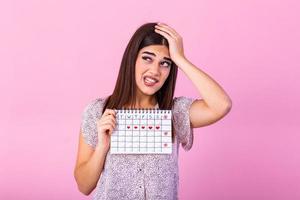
[150,81]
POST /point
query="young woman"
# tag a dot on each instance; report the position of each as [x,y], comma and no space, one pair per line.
[146,79]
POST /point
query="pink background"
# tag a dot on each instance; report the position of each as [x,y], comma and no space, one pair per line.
[56,56]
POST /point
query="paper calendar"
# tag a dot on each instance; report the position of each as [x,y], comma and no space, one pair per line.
[142,131]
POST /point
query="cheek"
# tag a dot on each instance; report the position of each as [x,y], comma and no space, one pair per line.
[138,73]
[166,73]
[138,68]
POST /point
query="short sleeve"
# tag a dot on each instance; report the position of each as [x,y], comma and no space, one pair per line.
[91,113]
[182,122]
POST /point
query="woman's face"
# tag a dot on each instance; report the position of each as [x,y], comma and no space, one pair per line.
[152,68]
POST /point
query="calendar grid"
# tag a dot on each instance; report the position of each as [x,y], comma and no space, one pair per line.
[142,131]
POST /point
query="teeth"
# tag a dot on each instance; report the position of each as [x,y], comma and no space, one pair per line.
[150,80]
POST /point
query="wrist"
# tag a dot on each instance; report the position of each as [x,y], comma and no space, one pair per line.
[101,148]
[179,60]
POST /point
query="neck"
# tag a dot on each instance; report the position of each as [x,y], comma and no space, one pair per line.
[144,102]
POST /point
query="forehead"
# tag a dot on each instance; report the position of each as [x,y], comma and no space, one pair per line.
[158,50]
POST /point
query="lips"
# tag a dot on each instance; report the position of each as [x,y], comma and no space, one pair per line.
[150,81]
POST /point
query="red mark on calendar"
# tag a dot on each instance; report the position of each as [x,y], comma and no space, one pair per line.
[165,144]
[157,127]
[166,117]
[128,127]
[143,127]
[135,127]
[166,133]
[150,127]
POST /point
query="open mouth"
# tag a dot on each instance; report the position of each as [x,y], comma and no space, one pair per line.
[149,81]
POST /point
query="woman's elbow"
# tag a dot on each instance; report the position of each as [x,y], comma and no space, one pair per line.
[83,188]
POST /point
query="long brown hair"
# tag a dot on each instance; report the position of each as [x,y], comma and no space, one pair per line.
[125,88]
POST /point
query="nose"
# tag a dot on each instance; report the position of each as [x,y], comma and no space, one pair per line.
[155,69]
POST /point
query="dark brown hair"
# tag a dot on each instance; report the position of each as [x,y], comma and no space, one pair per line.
[125,88]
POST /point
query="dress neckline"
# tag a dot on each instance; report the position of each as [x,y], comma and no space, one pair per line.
[155,107]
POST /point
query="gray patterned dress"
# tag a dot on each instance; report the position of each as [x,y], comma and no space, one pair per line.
[140,176]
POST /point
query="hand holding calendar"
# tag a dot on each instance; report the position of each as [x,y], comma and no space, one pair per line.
[105,126]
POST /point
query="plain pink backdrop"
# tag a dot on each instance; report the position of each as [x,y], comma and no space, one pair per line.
[58,55]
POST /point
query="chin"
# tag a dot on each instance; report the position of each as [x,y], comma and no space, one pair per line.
[148,91]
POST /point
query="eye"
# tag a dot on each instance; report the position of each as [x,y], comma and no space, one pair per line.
[146,58]
[167,64]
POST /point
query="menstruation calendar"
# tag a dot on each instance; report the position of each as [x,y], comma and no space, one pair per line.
[142,131]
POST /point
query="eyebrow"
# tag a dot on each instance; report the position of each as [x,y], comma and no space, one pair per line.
[153,54]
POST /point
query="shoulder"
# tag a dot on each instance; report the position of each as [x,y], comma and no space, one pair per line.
[182,99]
[94,106]
[182,103]
[95,102]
